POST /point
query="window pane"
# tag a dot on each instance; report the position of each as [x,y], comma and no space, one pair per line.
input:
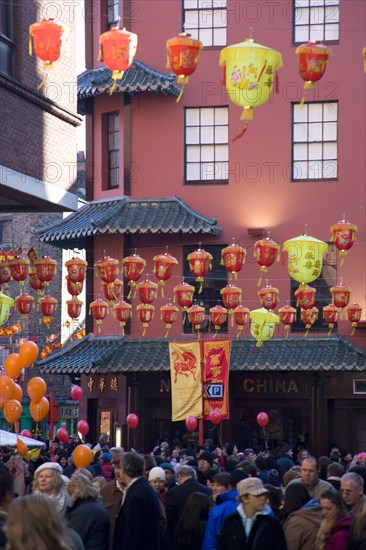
[207,135]
[330,151]
[206,37]
[300,132]
[192,117]
[301,34]
[315,131]
[330,111]
[207,153]
[315,151]
[315,170]
[193,154]
[301,3]
[302,17]
[316,15]
[192,135]
[300,170]
[190,4]
[316,32]
[205,19]
[330,131]
[315,112]
[219,37]
[222,152]
[300,151]
[219,18]
[208,170]
[221,115]
[193,172]
[191,19]
[330,169]
[331,32]
[114,178]
[221,134]
[332,14]
[300,113]
[207,116]
[114,159]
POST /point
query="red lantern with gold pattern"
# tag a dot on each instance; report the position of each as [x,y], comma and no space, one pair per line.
[99,310]
[19,268]
[218,316]
[112,290]
[268,296]
[117,50]
[5,272]
[340,296]
[147,291]
[313,58]
[199,264]
[24,303]
[169,314]
[46,269]
[146,315]
[265,252]
[133,266]
[74,288]
[233,258]
[163,267]
[196,316]
[344,235]
[123,312]
[183,294]
[287,315]
[107,268]
[305,297]
[182,56]
[241,317]
[47,41]
[35,283]
[231,297]
[308,317]
[76,269]
[354,315]
[48,305]
[330,314]
[74,308]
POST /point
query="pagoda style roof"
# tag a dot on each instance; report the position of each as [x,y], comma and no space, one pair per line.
[119,354]
[139,78]
[124,215]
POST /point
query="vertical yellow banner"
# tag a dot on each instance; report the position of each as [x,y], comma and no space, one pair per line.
[185,374]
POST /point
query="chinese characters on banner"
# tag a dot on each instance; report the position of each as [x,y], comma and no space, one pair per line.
[216,362]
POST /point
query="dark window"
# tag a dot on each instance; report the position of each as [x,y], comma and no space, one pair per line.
[112,13]
[316,20]
[7,46]
[113,150]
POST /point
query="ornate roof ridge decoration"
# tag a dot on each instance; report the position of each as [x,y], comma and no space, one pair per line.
[123,215]
[139,78]
[118,354]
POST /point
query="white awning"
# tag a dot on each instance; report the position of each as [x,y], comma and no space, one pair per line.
[8,439]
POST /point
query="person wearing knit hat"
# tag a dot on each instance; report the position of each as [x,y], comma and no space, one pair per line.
[206,467]
[157,481]
[107,466]
[157,474]
[49,483]
[274,477]
[170,479]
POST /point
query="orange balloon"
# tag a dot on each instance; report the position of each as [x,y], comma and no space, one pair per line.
[21,447]
[40,409]
[82,456]
[28,353]
[12,410]
[7,386]
[36,388]
[18,392]
[12,365]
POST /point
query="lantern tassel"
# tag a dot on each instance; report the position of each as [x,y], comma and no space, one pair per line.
[43,82]
[307,329]
[113,87]
[100,54]
[246,126]
[180,95]
[277,84]
[330,330]
[259,280]
[122,329]
[353,331]
[166,334]
[30,46]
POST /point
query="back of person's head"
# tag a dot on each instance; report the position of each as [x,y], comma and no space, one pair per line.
[185,471]
[222,478]
[149,463]
[236,476]
[231,464]
[34,522]
[6,485]
[274,496]
[133,464]
[248,467]
[334,469]
[195,513]
[81,487]
[296,496]
[323,461]
[260,463]
[83,471]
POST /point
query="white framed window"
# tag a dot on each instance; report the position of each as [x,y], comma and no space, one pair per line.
[206,20]
[112,13]
[206,145]
[314,141]
[316,20]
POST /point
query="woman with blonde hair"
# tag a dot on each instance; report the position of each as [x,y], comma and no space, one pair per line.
[33,522]
[335,527]
[48,482]
[88,515]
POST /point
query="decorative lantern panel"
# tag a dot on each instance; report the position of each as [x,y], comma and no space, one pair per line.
[117,50]
[340,296]
[330,314]
[308,317]
[146,315]
[218,316]
[343,236]
[182,56]
[200,265]
[163,267]
[265,252]
[5,272]
[76,269]
[47,41]
[354,315]
[233,258]
[74,288]
[112,291]
[287,315]
[19,268]
[133,266]
[263,324]
[304,258]
[169,314]
[123,312]
[24,303]
[48,306]
[241,317]
[183,294]
[107,268]
[45,268]
[305,297]
[74,308]
[99,310]
[196,316]
[313,58]
[147,291]
[231,296]
[35,283]
[268,296]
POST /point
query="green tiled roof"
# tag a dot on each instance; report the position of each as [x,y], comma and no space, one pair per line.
[125,215]
[139,78]
[96,354]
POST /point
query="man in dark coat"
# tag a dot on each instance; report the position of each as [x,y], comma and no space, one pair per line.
[250,527]
[137,524]
[112,494]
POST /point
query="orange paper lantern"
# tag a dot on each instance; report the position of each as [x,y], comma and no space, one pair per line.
[107,269]
[99,310]
[330,314]
[308,317]
[117,50]
[344,235]
[196,316]
[163,268]
[268,296]
[182,56]
[218,316]
[147,291]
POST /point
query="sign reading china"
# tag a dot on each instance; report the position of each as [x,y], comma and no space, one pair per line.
[216,359]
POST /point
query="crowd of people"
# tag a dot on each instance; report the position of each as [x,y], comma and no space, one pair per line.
[175,498]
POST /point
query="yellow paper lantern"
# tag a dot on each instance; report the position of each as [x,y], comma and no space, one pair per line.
[5,304]
[304,258]
[250,71]
[263,324]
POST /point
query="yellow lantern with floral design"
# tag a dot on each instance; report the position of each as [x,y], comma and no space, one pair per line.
[263,324]
[304,258]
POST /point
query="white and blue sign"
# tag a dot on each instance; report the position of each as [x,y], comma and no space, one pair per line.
[214,391]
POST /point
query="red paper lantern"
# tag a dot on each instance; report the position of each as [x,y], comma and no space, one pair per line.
[287,315]
[330,314]
[233,258]
[313,58]
[132,421]
[117,50]
[182,56]
[74,288]
[83,427]
[231,298]
[76,269]
[191,423]
[146,314]
[265,252]
[196,316]
[218,316]
[305,297]
[344,235]
[340,296]
[147,291]
[36,283]
[5,272]
[215,417]
[74,308]
[112,290]
[183,294]
[123,312]
[163,268]
[46,269]
[48,306]
[62,435]
[133,266]
[99,310]
[241,317]
[308,317]
[268,296]
[76,393]
[199,264]
[47,41]
[169,314]
[19,268]
[354,315]
[24,303]
[107,269]
[262,419]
